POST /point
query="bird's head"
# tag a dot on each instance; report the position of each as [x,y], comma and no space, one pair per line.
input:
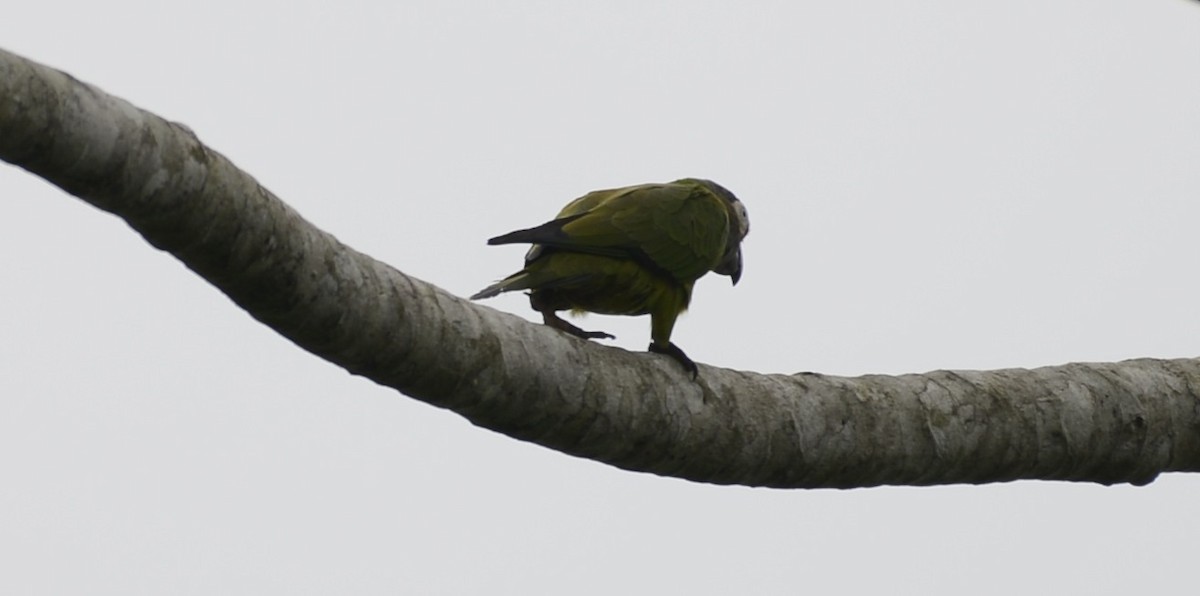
[739,227]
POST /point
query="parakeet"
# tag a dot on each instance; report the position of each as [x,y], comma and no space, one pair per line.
[630,251]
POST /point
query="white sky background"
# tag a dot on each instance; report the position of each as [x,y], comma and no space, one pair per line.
[932,184]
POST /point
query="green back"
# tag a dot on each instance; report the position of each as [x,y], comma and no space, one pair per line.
[679,228]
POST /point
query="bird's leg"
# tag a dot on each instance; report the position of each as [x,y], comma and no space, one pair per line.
[553,320]
[673,351]
[544,301]
[661,324]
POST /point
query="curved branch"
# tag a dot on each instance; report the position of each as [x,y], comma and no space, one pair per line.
[1108,423]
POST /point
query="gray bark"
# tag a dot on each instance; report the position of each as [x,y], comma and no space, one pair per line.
[1107,423]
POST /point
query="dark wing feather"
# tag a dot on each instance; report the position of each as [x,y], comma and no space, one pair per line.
[549,232]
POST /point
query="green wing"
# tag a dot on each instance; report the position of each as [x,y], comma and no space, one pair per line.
[679,228]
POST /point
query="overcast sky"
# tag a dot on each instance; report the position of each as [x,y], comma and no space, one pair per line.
[932,184]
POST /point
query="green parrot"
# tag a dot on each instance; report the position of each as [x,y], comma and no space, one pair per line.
[630,251]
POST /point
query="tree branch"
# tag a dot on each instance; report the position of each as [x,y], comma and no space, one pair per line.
[1107,423]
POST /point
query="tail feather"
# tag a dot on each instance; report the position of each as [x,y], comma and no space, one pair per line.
[516,281]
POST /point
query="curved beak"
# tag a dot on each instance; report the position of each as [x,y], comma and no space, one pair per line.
[731,265]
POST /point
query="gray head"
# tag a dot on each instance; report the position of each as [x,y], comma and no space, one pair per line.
[731,262]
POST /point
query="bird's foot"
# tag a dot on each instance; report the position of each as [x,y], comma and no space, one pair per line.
[557,322]
[673,351]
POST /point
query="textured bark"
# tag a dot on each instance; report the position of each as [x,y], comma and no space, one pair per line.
[1107,423]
